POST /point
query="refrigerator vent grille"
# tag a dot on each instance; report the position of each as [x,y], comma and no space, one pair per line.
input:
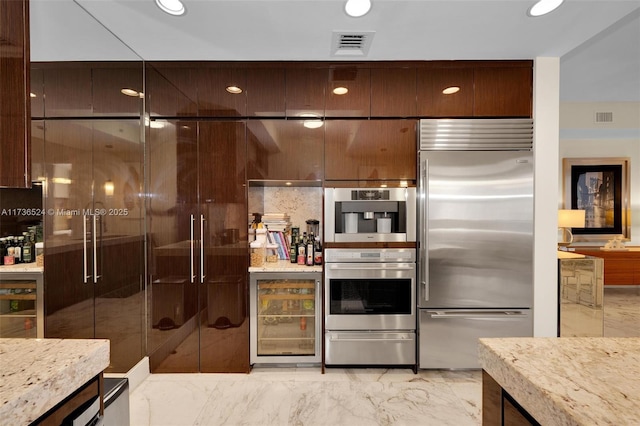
[476,135]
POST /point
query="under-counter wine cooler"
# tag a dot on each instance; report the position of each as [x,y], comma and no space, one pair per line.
[285,318]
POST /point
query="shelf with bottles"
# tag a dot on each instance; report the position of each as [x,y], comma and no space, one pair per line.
[285,317]
[285,337]
[17,290]
[17,309]
[287,298]
[21,305]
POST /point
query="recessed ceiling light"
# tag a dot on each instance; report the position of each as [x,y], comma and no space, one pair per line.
[340,90]
[451,90]
[172,7]
[542,7]
[235,90]
[357,8]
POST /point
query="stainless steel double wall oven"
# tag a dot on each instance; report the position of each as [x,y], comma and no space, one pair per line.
[370,291]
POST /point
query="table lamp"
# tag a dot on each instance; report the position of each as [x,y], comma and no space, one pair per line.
[568,219]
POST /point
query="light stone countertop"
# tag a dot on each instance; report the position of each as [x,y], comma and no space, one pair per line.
[22,267]
[284,266]
[569,380]
[37,374]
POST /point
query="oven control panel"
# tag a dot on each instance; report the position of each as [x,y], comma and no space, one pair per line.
[369,255]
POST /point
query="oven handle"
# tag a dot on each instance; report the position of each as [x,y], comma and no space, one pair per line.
[360,266]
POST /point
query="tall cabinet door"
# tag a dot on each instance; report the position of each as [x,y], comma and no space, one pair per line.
[197,214]
[224,335]
[68,278]
[172,153]
[94,239]
[118,239]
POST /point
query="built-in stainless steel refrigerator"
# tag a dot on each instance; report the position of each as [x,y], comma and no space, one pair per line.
[475,232]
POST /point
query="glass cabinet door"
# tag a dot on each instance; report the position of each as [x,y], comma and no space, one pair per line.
[286,320]
[20,306]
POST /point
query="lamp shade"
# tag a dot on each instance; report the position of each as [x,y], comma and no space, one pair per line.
[571,218]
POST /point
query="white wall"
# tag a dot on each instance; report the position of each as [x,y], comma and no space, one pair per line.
[546,100]
[581,137]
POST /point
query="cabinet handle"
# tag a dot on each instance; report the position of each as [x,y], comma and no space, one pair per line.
[85,257]
[202,276]
[193,272]
[96,220]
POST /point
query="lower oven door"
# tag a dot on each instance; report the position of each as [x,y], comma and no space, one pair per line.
[370,296]
[369,348]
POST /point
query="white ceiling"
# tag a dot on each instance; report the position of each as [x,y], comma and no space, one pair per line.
[598,41]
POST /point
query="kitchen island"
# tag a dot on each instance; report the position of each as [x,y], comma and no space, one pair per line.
[561,381]
[49,377]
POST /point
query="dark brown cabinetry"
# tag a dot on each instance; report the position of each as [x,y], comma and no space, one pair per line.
[503,91]
[67,90]
[117,90]
[74,90]
[15,161]
[305,91]
[171,91]
[393,92]
[214,100]
[432,102]
[198,279]
[94,234]
[285,149]
[499,408]
[370,150]
[265,92]
[356,101]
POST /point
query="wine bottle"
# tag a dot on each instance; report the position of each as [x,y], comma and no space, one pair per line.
[310,247]
[302,248]
[293,249]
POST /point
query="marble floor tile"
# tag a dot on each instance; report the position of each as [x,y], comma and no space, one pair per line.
[274,396]
[271,396]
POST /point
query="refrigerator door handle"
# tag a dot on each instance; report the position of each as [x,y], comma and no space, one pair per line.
[423,222]
[476,315]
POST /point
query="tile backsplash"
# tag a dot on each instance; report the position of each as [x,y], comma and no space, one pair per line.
[300,203]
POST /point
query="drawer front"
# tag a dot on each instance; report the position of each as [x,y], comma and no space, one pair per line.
[370,348]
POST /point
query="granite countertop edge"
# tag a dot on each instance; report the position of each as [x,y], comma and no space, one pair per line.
[568,381]
[37,374]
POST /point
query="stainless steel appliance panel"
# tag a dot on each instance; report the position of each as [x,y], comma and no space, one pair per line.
[352,214]
[476,229]
[370,348]
[393,282]
[449,338]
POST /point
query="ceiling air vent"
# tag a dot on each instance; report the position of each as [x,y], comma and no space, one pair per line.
[604,117]
[351,43]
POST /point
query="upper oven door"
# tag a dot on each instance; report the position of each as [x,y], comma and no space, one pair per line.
[369,215]
[370,296]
